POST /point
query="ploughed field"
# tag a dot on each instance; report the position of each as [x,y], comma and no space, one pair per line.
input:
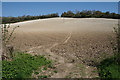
[74,45]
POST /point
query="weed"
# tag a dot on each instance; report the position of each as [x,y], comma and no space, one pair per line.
[55,71]
[70,73]
[68,76]
[94,71]
[43,76]
[81,66]
[54,67]
[36,73]
[108,68]
[45,68]
[49,66]
[22,65]
[49,76]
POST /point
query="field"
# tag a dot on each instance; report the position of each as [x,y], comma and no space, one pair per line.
[74,45]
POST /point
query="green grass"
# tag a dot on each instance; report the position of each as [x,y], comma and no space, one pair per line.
[109,68]
[23,65]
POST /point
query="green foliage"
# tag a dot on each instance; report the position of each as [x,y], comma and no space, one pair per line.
[55,71]
[90,14]
[116,47]
[109,68]
[45,68]
[22,65]
[36,73]
[69,14]
[43,76]
[25,18]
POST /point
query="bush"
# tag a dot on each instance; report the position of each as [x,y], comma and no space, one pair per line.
[7,36]
[109,68]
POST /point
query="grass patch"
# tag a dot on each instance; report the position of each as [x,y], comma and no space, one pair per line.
[23,65]
[109,68]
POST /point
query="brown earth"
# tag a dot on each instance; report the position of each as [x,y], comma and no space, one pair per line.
[75,45]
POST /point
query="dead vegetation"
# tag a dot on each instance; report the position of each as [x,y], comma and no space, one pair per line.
[7,37]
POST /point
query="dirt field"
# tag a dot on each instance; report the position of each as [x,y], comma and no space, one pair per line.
[74,45]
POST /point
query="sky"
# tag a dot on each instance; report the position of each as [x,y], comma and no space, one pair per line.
[60,0]
[42,8]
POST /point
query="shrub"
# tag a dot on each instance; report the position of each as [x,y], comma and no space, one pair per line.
[109,68]
[7,37]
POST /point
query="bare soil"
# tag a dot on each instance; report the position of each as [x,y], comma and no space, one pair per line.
[74,45]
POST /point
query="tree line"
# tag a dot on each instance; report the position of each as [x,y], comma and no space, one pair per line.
[25,18]
[68,14]
[90,14]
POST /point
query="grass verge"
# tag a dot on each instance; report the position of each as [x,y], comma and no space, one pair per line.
[23,65]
